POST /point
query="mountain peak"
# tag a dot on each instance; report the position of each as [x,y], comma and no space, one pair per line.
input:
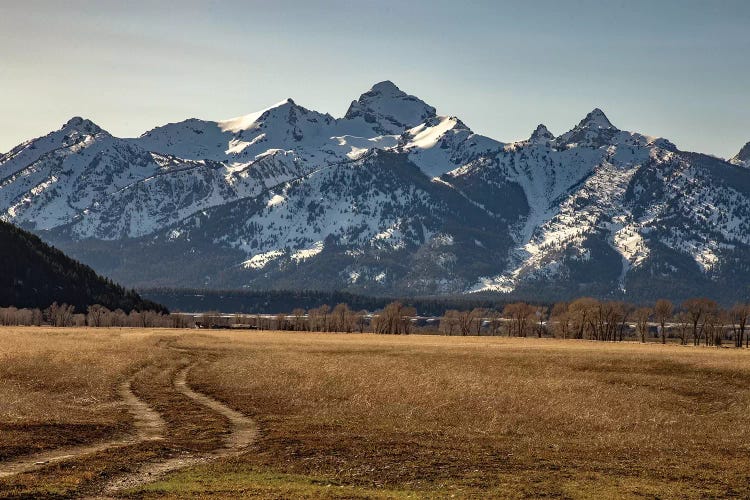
[389,109]
[82,125]
[743,157]
[541,134]
[250,121]
[596,119]
[594,130]
[386,86]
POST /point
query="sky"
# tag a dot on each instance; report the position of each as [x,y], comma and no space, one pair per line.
[677,69]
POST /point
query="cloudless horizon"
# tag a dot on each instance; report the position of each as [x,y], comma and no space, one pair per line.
[676,69]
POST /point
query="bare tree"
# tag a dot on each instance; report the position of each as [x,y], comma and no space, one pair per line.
[96,315]
[710,325]
[740,314]
[281,321]
[479,315]
[340,318]
[520,315]
[723,321]
[465,321]
[626,310]
[449,321]
[360,319]
[541,314]
[395,318]
[406,315]
[299,316]
[642,315]
[325,309]
[60,315]
[698,308]
[683,326]
[495,320]
[560,318]
[663,312]
[580,311]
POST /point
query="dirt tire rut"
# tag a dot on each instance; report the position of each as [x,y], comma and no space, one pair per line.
[244,433]
[148,426]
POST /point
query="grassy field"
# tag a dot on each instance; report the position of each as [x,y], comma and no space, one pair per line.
[357,416]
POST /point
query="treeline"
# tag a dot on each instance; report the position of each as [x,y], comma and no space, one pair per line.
[65,315]
[278,301]
[697,320]
[394,318]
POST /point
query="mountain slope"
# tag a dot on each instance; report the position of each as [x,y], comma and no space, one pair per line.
[391,198]
[743,157]
[33,274]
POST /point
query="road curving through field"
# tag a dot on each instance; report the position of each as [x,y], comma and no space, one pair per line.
[243,434]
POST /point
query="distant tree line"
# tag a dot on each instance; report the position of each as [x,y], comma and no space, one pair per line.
[65,315]
[699,321]
[275,301]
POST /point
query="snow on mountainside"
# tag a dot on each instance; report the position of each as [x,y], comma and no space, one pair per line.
[285,126]
[390,198]
[387,110]
[442,144]
[50,181]
[596,158]
[74,131]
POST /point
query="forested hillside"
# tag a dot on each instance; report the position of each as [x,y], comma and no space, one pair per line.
[34,275]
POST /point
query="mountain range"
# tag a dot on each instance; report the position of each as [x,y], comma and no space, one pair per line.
[391,198]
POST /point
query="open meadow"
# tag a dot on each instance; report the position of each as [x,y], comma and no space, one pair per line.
[223,414]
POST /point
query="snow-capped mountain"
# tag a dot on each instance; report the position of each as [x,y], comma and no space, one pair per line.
[390,198]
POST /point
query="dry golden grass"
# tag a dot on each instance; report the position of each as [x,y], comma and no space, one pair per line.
[515,417]
[59,386]
[366,415]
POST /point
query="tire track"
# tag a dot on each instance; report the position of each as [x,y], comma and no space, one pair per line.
[148,425]
[244,433]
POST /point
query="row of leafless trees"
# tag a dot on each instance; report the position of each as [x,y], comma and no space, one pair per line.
[62,315]
[395,318]
[519,319]
[697,320]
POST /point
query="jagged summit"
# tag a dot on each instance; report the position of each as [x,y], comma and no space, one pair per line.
[83,125]
[285,108]
[541,134]
[594,130]
[596,119]
[389,109]
[743,157]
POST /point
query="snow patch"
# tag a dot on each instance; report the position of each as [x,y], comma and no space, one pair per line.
[275,200]
[306,253]
[260,260]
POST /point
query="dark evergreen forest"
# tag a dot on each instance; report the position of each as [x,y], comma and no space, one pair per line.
[34,275]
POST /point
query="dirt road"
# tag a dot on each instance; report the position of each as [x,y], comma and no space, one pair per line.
[148,426]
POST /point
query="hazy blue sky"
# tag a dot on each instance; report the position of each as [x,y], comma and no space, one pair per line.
[678,69]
